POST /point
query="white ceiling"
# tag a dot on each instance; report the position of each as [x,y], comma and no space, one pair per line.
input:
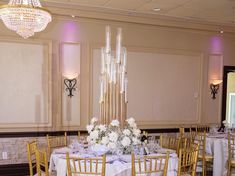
[222,11]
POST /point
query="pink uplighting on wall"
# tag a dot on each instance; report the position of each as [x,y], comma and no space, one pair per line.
[70,32]
[216,45]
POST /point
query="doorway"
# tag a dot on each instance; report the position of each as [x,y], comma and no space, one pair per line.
[228,97]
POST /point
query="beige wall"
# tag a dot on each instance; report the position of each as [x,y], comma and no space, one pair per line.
[90,32]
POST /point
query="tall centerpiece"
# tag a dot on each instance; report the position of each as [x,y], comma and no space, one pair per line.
[114,132]
[113,80]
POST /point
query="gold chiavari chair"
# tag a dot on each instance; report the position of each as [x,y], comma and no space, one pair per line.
[142,165]
[202,156]
[86,166]
[182,131]
[31,149]
[79,135]
[231,153]
[42,163]
[203,128]
[56,142]
[170,142]
[187,161]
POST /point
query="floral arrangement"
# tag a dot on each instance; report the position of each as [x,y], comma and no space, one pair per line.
[112,136]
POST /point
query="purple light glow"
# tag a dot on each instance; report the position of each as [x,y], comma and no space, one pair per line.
[70,32]
[216,45]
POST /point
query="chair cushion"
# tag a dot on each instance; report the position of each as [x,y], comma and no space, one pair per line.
[207,157]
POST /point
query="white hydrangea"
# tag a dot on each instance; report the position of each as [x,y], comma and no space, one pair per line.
[94,135]
[113,136]
[105,140]
[94,120]
[112,145]
[89,128]
[126,141]
[131,122]
[136,141]
[115,123]
[136,132]
[126,132]
[102,128]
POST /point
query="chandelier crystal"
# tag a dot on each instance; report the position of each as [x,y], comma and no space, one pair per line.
[25,17]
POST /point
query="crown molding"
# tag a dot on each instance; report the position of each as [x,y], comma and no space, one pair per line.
[101,13]
[64,9]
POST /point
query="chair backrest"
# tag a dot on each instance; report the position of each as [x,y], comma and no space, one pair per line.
[203,128]
[170,142]
[183,143]
[187,162]
[42,163]
[142,165]
[231,147]
[181,131]
[56,142]
[86,166]
[31,149]
[201,140]
[79,135]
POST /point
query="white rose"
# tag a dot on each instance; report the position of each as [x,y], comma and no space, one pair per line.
[136,141]
[94,120]
[115,123]
[112,145]
[130,120]
[136,132]
[126,132]
[89,128]
[113,136]
[88,139]
[126,141]
[102,128]
[94,135]
[105,140]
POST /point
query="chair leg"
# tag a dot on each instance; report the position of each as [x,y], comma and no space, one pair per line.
[229,170]
[203,168]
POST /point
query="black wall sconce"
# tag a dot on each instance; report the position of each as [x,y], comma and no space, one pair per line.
[214,90]
[214,86]
[70,86]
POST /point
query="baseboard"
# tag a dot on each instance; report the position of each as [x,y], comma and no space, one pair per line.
[14,169]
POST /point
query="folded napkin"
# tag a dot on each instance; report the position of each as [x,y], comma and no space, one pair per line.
[99,149]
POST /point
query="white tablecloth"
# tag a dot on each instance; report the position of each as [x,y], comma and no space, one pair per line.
[218,147]
[117,168]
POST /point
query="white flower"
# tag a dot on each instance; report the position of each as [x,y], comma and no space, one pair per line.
[94,135]
[136,132]
[136,141]
[131,122]
[115,123]
[113,136]
[89,128]
[105,140]
[112,145]
[126,141]
[102,128]
[94,120]
[126,132]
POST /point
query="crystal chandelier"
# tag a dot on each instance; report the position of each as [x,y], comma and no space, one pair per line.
[25,17]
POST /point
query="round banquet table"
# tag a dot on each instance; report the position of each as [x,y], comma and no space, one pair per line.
[115,165]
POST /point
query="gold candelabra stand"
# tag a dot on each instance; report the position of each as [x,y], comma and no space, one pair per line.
[113,81]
